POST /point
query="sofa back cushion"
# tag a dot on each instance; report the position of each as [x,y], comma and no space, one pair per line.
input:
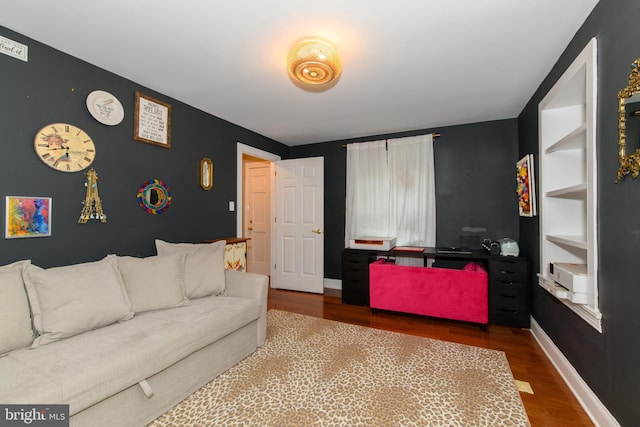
[204,266]
[69,300]
[154,282]
[15,319]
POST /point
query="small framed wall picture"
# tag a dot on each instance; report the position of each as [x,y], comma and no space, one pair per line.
[152,121]
[27,217]
[526,186]
[206,174]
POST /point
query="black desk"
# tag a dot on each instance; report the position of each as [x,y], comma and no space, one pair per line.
[508,279]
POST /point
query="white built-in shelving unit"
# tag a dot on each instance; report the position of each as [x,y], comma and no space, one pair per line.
[568,184]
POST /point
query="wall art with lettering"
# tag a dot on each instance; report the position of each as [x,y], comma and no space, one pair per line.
[152,121]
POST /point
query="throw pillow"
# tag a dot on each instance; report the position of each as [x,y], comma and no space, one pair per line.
[15,319]
[69,300]
[154,282]
[204,266]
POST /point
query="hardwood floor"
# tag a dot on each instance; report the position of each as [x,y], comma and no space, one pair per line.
[552,403]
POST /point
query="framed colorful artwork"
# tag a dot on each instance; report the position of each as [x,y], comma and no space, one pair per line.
[27,217]
[526,186]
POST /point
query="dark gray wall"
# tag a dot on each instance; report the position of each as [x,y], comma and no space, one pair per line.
[474,168]
[475,183]
[607,361]
[52,87]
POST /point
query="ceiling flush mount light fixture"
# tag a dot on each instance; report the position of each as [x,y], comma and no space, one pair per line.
[314,63]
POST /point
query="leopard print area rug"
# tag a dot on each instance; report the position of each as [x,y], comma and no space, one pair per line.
[316,372]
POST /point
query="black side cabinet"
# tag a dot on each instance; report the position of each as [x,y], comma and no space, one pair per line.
[355,276]
[509,291]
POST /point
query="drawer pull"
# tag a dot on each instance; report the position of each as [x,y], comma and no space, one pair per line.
[509,284]
[507,296]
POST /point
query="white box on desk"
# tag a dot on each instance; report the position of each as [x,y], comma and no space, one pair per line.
[571,276]
[373,243]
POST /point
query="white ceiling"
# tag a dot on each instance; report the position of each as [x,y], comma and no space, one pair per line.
[407,64]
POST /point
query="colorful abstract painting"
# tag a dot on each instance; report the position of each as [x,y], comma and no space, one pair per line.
[526,186]
[27,217]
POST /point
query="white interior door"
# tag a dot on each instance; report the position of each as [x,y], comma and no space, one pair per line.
[299,225]
[257,216]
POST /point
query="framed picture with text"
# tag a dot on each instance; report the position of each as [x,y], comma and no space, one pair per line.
[152,121]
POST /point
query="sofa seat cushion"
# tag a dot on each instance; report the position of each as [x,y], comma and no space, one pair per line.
[87,368]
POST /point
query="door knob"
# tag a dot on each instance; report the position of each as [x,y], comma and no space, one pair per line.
[250,228]
[318,231]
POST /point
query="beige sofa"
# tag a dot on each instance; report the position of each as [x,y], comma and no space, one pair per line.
[124,339]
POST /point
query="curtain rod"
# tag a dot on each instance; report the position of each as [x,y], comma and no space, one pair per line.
[434,135]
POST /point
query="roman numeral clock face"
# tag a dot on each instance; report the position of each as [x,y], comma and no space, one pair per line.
[64,147]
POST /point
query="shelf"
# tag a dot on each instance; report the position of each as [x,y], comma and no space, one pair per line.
[590,314]
[561,292]
[579,242]
[574,140]
[568,188]
[574,191]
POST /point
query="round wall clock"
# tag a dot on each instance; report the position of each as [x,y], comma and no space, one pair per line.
[105,107]
[64,147]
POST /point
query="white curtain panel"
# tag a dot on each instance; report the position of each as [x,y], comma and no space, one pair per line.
[367,204]
[392,192]
[412,199]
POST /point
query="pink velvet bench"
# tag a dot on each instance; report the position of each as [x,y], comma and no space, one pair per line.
[431,291]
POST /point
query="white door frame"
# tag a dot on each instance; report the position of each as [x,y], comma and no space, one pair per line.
[255,152]
[259,224]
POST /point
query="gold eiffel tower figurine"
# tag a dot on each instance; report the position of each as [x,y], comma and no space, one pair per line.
[92,206]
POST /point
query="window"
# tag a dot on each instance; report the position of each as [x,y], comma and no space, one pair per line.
[391,190]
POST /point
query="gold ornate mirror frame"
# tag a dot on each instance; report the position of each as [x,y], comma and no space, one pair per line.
[629,163]
[206,174]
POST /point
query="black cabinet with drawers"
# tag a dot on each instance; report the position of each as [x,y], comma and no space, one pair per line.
[508,281]
[509,291]
[355,277]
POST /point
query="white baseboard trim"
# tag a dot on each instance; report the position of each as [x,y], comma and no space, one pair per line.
[333,284]
[594,408]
